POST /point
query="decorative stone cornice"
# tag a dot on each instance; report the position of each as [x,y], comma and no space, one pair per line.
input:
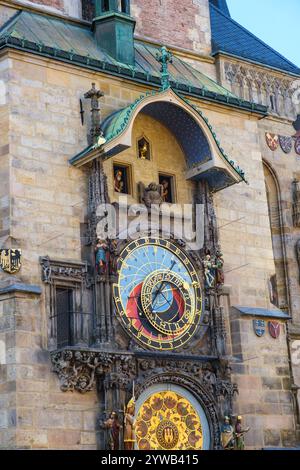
[71,270]
[257,85]
[20,288]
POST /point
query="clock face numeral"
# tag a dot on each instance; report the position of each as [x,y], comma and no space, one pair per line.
[158,295]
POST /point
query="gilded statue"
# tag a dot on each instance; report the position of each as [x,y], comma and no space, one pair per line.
[129,426]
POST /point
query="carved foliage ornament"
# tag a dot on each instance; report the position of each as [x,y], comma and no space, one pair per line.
[78,370]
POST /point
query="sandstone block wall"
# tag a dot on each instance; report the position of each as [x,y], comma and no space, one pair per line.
[261,370]
[44,206]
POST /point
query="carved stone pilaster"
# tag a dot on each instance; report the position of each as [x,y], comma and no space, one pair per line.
[98,194]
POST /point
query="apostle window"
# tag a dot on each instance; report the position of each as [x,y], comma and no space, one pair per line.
[122,178]
[168,188]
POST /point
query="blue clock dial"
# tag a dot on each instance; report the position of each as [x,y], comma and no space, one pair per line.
[158,295]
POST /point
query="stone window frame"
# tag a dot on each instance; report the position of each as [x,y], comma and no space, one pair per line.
[129,175]
[73,276]
[172,177]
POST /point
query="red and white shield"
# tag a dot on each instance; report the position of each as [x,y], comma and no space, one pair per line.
[274,329]
[272,141]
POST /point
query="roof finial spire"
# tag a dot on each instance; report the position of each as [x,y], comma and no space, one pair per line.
[165,57]
[94,95]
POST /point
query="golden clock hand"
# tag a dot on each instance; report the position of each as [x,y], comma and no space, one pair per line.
[162,283]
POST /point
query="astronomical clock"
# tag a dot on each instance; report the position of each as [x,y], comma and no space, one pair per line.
[158,295]
[161,308]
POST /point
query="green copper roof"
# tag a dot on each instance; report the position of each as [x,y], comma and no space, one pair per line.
[73,42]
[117,122]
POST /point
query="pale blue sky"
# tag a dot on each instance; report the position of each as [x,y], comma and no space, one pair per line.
[276,22]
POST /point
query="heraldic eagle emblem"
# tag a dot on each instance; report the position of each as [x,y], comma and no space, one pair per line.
[10,260]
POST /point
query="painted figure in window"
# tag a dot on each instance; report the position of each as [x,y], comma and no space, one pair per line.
[129,425]
[240,434]
[101,252]
[119,183]
[113,426]
[227,434]
[166,191]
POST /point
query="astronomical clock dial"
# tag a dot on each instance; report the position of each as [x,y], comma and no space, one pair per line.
[158,295]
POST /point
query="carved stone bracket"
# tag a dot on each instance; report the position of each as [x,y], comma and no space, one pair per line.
[77,370]
[124,373]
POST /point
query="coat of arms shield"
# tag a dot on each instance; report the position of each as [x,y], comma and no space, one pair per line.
[286,143]
[10,260]
[259,327]
[297,145]
[272,141]
[274,329]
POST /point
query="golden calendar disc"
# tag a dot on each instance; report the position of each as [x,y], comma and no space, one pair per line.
[168,421]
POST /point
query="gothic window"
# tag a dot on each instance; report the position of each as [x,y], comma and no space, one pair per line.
[125,6]
[168,184]
[144,149]
[64,311]
[272,102]
[277,282]
[122,178]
